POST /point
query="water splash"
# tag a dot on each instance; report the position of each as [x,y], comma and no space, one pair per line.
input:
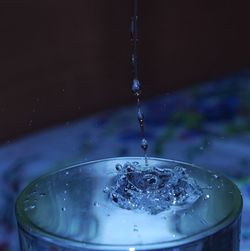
[154,189]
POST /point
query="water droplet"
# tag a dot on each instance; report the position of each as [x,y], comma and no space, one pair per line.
[140,116]
[207,188]
[118,167]
[34,192]
[96,204]
[114,197]
[129,168]
[63,209]
[207,196]
[144,144]
[152,180]
[136,87]
[31,207]
[135,229]
[216,176]
[106,190]
[132,29]
[67,172]
[133,61]
[65,191]
[135,163]
[67,184]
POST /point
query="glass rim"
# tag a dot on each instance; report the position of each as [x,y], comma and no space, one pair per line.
[26,225]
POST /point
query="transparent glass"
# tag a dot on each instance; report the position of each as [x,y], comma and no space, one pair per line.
[68,210]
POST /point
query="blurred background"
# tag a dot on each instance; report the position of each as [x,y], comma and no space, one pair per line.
[65,80]
[65,60]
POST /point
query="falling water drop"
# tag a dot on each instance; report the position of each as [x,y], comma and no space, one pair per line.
[140,117]
[136,85]
[144,144]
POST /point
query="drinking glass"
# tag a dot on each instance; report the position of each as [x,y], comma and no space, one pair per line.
[69,210]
